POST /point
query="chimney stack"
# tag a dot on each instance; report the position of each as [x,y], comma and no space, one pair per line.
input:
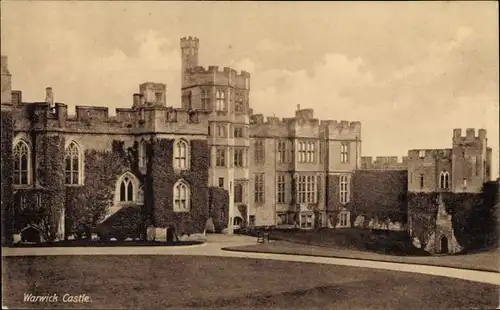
[137,101]
[49,96]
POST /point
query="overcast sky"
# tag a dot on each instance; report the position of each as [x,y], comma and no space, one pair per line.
[410,72]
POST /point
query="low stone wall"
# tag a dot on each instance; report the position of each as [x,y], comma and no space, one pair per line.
[160,234]
[362,221]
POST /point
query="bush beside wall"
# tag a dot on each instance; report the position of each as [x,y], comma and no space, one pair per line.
[219,208]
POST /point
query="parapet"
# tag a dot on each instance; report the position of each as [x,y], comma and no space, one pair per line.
[304,123]
[335,127]
[211,75]
[190,42]
[470,135]
[429,154]
[95,113]
[384,162]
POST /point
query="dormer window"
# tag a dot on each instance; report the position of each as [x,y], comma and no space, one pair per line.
[421,154]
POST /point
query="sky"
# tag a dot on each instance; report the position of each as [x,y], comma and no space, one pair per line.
[411,72]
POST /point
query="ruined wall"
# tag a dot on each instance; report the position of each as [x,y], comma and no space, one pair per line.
[473,217]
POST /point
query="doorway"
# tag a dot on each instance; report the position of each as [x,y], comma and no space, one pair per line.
[170,234]
[444,245]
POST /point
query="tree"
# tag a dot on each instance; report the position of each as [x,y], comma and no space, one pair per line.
[91,206]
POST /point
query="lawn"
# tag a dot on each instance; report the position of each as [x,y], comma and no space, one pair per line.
[162,282]
[98,243]
[484,261]
[383,242]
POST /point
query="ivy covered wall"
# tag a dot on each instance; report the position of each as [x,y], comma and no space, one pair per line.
[332,193]
[87,205]
[474,218]
[6,172]
[219,207]
[162,178]
[378,194]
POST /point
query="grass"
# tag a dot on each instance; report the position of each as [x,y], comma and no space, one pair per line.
[97,243]
[384,242]
[185,282]
[483,261]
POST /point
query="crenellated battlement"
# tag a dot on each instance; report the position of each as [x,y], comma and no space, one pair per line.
[429,154]
[469,137]
[43,116]
[384,162]
[305,123]
[218,73]
[190,42]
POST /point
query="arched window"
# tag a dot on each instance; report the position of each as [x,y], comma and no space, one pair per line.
[127,189]
[181,155]
[444,180]
[21,155]
[73,164]
[182,194]
[143,158]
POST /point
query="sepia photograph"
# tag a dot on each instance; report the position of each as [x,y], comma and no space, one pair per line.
[250,155]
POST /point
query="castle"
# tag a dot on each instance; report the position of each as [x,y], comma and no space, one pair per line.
[295,171]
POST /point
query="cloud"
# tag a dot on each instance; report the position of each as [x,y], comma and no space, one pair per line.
[417,104]
[107,79]
[268,45]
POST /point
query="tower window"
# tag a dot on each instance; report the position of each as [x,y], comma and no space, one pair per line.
[73,162]
[221,100]
[205,99]
[444,180]
[21,155]
[344,153]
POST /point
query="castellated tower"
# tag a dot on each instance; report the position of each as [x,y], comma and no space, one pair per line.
[189,52]
[6,84]
[463,168]
[471,160]
[224,93]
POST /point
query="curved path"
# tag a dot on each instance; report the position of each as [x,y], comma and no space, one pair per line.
[216,242]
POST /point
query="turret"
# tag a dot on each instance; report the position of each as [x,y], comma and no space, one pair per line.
[189,54]
[49,96]
[6,84]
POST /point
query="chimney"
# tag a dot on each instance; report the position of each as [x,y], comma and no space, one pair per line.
[49,96]
[142,100]
[298,107]
[137,101]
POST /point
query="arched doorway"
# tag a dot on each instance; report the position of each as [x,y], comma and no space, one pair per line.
[31,235]
[444,244]
[237,222]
